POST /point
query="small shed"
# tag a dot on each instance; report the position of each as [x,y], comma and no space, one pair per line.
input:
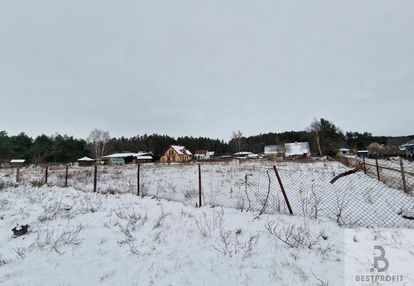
[143,159]
[85,161]
[17,163]
[344,152]
[362,153]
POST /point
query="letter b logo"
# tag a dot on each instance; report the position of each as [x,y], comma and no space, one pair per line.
[379,258]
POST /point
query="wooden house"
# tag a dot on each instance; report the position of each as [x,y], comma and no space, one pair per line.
[176,153]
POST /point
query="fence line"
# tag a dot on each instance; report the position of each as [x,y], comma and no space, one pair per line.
[258,187]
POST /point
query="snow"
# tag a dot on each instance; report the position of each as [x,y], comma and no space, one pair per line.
[86,159]
[297,149]
[144,157]
[123,155]
[244,186]
[83,238]
[181,150]
[165,246]
[17,161]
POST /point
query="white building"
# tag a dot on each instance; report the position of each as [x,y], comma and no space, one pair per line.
[273,150]
[297,149]
[203,155]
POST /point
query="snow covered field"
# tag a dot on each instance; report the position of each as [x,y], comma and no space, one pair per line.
[357,199]
[84,238]
[79,238]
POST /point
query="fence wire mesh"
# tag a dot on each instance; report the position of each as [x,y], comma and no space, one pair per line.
[369,197]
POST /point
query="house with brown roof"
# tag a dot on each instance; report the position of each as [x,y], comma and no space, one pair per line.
[176,153]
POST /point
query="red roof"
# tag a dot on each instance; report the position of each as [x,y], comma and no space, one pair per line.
[201,152]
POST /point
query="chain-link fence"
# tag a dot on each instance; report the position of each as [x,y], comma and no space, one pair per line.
[394,172]
[359,198]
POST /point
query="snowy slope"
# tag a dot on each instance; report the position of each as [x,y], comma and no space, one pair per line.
[165,245]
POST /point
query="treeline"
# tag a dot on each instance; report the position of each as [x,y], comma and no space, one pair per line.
[56,148]
[324,137]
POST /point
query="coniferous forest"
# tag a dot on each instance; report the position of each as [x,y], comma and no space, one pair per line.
[64,148]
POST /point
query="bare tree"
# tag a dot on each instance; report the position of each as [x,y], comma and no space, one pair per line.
[98,138]
[315,129]
[237,137]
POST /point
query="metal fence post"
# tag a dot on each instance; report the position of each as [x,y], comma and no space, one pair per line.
[18,175]
[403,175]
[46,174]
[66,176]
[95,173]
[138,175]
[365,167]
[199,185]
[283,190]
[376,164]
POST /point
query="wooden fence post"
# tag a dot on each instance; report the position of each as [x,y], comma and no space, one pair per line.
[376,164]
[283,190]
[403,175]
[95,173]
[138,175]
[365,166]
[46,173]
[18,175]
[66,176]
[199,185]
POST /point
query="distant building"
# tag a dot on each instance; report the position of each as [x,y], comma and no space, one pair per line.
[143,159]
[17,163]
[362,153]
[408,149]
[176,153]
[246,155]
[85,161]
[127,158]
[203,155]
[273,150]
[344,151]
[297,149]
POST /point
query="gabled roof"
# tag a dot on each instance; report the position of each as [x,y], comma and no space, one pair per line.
[409,143]
[201,152]
[17,160]
[86,159]
[181,150]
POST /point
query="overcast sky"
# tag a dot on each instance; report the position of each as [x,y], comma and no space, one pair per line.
[205,68]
